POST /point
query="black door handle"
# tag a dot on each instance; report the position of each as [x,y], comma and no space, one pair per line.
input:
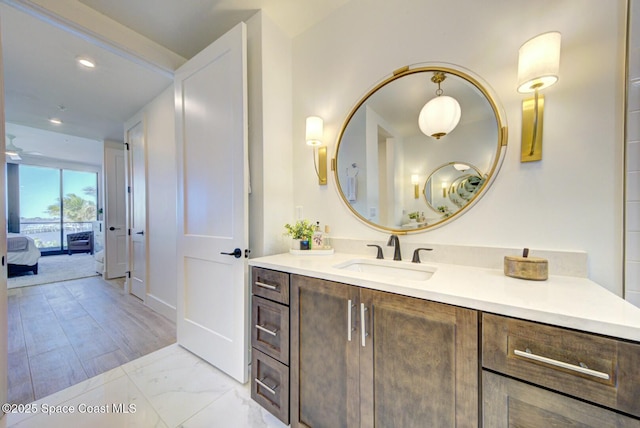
[140,233]
[237,253]
[114,228]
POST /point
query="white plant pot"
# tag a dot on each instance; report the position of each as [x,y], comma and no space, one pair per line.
[295,244]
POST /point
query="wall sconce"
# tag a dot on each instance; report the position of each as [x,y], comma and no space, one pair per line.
[444,189]
[313,136]
[441,114]
[538,64]
[415,180]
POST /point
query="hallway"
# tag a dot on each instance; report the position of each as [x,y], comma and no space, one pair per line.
[63,333]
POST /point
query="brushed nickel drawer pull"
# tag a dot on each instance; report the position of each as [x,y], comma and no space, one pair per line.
[349,320]
[582,368]
[266,330]
[363,310]
[263,285]
[271,389]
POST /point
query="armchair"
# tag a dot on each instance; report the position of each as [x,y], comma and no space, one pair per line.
[80,242]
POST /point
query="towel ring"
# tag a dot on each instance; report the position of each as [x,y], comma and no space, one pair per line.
[355,168]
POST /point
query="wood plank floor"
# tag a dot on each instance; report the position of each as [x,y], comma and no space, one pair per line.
[63,333]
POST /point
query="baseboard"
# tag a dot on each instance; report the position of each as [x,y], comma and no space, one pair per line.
[161,307]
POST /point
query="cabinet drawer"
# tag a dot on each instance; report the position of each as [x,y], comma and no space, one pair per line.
[598,369]
[270,284]
[270,385]
[270,328]
[510,403]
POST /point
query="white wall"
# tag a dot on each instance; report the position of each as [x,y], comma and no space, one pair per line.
[632,278]
[162,176]
[571,200]
[270,148]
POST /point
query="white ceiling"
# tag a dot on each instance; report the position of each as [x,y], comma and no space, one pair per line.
[188,26]
[42,79]
[39,146]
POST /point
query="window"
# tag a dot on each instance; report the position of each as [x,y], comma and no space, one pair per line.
[54,202]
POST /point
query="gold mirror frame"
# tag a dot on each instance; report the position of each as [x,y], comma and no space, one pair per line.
[500,146]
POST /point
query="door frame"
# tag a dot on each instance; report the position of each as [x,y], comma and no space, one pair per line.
[138,118]
[4,320]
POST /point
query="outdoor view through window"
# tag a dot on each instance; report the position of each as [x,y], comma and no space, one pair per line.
[47,192]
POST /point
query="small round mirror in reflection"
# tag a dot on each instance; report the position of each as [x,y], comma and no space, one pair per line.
[450,188]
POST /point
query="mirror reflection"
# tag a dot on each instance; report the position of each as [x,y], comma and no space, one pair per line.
[451,187]
[391,173]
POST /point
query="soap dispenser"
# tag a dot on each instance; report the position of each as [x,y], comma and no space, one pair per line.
[317,240]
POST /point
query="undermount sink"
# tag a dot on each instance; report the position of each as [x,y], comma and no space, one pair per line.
[390,269]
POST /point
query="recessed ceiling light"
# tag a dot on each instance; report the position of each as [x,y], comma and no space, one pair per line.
[86,62]
[55,121]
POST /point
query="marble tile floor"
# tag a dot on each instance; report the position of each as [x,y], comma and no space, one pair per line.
[167,388]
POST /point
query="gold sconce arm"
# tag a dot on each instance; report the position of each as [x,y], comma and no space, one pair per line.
[532,121]
[320,165]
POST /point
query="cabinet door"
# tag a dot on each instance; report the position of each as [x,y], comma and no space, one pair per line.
[419,363]
[510,403]
[324,362]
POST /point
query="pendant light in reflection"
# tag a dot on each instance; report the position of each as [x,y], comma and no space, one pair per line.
[441,114]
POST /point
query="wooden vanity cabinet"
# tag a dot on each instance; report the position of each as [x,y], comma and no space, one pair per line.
[270,341]
[367,358]
[593,369]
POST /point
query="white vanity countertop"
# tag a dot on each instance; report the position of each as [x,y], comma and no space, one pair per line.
[565,301]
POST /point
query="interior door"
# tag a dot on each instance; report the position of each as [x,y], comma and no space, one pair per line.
[115,213]
[137,211]
[4,346]
[211,134]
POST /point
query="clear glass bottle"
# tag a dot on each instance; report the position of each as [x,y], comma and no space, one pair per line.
[326,238]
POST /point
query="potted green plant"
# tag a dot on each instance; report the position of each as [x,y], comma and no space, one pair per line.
[444,210]
[300,231]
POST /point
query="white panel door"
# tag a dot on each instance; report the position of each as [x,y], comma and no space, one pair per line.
[4,345]
[138,211]
[115,213]
[211,132]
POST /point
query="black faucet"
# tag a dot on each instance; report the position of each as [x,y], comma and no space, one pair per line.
[416,254]
[395,242]
[379,255]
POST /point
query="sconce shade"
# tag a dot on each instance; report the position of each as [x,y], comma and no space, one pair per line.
[314,131]
[439,116]
[415,179]
[538,62]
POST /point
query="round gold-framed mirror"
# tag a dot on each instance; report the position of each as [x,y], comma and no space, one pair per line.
[387,148]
